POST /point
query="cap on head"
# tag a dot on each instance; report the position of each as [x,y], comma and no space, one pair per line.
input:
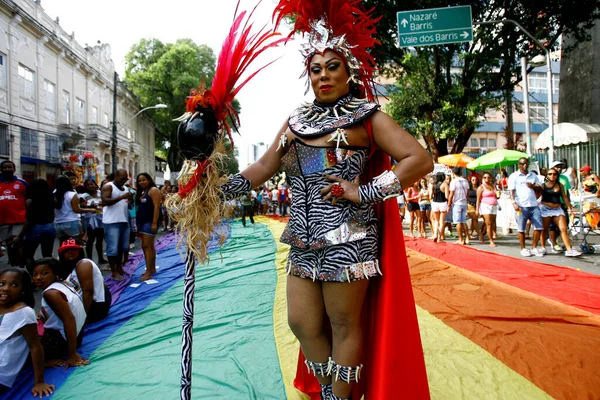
[69,244]
[558,164]
[585,168]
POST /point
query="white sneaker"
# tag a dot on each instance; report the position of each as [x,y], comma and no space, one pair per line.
[539,252]
[556,249]
[572,253]
[525,252]
[549,242]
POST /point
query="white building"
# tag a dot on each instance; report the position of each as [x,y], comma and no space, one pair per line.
[256,151]
[56,98]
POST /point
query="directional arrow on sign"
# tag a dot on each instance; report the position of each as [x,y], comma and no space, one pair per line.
[434,26]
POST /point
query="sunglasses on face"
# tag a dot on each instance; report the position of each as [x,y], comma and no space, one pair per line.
[523,163]
[550,174]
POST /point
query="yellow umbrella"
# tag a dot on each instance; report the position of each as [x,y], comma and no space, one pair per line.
[455,160]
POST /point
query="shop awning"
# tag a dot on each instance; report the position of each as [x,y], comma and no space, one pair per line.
[566,134]
[31,160]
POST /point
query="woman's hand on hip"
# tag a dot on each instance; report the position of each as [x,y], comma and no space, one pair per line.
[350,189]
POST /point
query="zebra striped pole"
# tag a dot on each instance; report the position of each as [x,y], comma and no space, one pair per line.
[187,330]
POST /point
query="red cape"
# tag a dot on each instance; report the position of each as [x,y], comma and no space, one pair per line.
[393,356]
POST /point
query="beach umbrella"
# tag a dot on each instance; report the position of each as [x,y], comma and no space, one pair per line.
[455,160]
[497,158]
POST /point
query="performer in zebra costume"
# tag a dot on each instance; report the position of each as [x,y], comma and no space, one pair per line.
[350,301]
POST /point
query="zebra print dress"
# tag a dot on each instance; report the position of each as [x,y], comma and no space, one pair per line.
[328,242]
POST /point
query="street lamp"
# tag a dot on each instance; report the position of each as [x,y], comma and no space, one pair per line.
[526,105]
[144,109]
[536,59]
[114,135]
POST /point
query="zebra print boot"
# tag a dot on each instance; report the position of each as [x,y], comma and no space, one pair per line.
[326,392]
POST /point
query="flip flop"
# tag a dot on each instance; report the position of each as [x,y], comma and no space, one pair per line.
[118,279]
[105,268]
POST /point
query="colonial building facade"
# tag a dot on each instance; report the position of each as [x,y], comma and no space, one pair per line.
[56,100]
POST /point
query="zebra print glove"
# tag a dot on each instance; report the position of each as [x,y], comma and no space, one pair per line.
[235,187]
[381,188]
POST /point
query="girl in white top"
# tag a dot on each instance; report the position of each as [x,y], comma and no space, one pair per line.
[67,221]
[18,331]
[86,278]
[62,313]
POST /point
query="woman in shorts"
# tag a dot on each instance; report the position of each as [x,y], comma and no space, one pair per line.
[439,206]
[147,201]
[487,207]
[552,194]
[424,207]
[412,197]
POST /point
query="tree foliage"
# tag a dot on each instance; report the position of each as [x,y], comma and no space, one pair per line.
[164,73]
[443,91]
[230,165]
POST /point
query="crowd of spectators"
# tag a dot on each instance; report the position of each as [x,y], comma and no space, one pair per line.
[82,216]
[542,200]
[262,201]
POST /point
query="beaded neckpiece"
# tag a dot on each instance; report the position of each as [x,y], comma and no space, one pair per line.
[315,120]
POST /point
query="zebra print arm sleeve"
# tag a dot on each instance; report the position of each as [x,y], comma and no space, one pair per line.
[381,188]
[235,187]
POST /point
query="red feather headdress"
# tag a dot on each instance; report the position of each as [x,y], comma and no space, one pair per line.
[339,25]
[239,50]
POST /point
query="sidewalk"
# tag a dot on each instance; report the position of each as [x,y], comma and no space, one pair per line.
[508,245]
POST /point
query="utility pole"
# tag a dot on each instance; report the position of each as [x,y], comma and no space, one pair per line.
[549,78]
[114,126]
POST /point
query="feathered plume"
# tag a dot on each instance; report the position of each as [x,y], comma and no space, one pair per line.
[239,50]
[339,25]
[198,207]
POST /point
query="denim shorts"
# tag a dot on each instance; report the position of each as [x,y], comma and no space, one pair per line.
[459,213]
[67,229]
[425,207]
[529,213]
[145,229]
[38,230]
[117,238]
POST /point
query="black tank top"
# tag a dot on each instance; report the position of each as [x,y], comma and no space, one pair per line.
[472,195]
[438,195]
[550,196]
[145,209]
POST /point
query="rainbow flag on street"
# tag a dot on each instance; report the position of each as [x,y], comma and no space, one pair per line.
[493,327]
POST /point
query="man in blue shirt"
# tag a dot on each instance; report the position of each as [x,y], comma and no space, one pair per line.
[523,185]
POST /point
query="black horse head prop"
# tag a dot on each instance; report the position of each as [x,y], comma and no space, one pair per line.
[197,135]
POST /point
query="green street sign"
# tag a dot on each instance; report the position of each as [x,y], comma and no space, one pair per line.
[435,26]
